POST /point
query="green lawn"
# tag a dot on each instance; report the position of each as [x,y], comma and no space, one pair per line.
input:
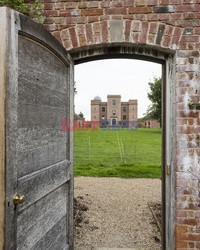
[118,153]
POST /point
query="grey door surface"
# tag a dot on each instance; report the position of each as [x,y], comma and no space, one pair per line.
[39,162]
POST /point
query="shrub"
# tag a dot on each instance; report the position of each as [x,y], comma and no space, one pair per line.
[34,10]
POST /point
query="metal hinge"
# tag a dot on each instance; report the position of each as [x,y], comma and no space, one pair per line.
[168,169]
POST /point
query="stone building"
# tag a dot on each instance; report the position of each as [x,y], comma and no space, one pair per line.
[149,123]
[114,110]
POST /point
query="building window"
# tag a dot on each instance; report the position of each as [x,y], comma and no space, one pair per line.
[103,109]
[124,109]
[113,102]
[114,112]
[133,109]
[124,117]
[133,117]
[103,117]
[94,117]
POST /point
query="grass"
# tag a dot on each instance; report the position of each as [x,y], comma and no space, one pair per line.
[124,154]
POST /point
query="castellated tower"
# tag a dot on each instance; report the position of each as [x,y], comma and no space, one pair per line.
[113,110]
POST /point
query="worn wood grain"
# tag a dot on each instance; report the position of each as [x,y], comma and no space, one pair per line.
[11,128]
[54,238]
[31,160]
[41,65]
[38,161]
[38,184]
[3,24]
[36,222]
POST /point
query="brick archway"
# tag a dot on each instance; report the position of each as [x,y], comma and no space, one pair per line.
[149,29]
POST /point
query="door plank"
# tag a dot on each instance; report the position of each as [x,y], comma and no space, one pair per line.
[41,217]
[41,182]
[31,160]
[3,56]
[54,238]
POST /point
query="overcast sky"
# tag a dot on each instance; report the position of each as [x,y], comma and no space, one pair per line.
[126,77]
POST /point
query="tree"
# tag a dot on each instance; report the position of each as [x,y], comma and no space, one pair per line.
[154,110]
[75,88]
[81,115]
[34,9]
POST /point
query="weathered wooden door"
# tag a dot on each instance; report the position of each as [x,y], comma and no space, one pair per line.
[38,88]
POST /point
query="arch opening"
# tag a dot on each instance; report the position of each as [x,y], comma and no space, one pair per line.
[166,59]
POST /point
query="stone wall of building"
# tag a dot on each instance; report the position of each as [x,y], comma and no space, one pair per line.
[133,110]
[114,104]
[95,110]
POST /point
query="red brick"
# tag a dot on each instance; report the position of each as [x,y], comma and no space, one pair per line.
[153,28]
[81,19]
[80,29]
[116,17]
[177,35]
[82,5]
[51,27]
[181,244]
[128,3]
[176,1]
[144,33]
[105,4]
[152,17]
[51,13]
[169,30]
[116,3]
[97,38]
[116,11]
[188,237]
[188,8]
[181,213]
[135,37]
[166,41]
[56,34]
[181,229]
[152,2]
[189,38]
[136,26]
[70,5]
[140,2]
[151,38]
[93,4]
[82,41]
[91,12]
[197,30]
[89,34]
[139,10]
[175,16]
[141,17]
[72,33]
[190,15]
[164,2]
[67,44]
[163,16]
[48,6]
[186,221]
[93,19]
[104,30]
[65,34]
[97,27]
[127,30]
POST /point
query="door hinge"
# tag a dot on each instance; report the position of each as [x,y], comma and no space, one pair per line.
[168,169]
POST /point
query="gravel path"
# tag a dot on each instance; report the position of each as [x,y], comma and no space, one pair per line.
[118,215]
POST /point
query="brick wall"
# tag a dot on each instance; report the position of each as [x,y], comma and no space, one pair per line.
[170,25]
